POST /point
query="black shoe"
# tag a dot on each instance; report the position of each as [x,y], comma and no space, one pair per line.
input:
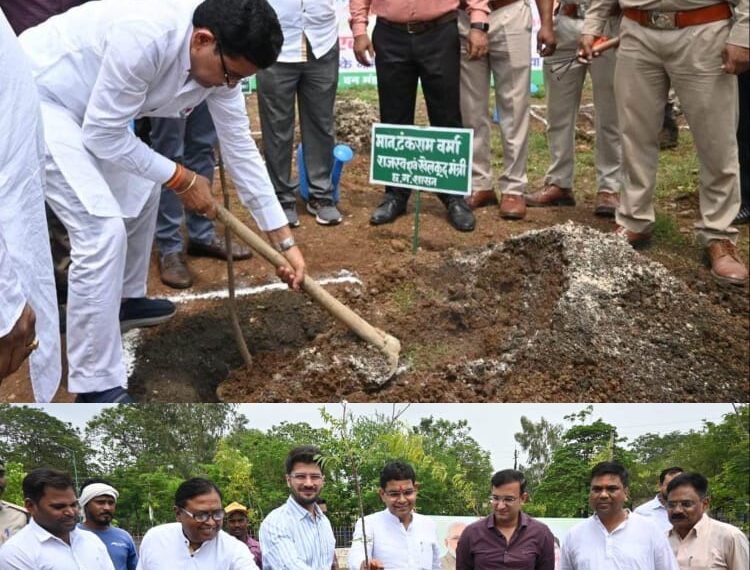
[743,216]
[389,210]
[460,215]
[144,312]
[112,396]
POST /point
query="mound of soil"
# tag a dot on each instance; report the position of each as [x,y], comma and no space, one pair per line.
[565,313]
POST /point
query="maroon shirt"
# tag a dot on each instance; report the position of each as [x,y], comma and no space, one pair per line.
[24,14]
[483,547]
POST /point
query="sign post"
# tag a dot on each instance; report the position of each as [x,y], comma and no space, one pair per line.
[432,159]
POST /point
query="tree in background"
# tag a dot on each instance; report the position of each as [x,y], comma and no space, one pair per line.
[538,440]
[33,439]
[175,437]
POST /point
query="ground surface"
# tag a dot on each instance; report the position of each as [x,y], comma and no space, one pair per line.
[545,309]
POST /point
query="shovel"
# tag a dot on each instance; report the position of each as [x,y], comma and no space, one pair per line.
[386,343]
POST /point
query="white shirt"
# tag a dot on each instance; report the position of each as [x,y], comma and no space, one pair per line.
[25,258]
[711,545]
[165,547]
[656,512]
[292,539]
[311,19]
[398,548]
[636,544]
[106,63]
[33,548]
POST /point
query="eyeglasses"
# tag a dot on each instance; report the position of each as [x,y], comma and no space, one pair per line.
[230,79]
[509,500]
[610,489]
[396,494]
[203,516]
[302,477]
[681,504]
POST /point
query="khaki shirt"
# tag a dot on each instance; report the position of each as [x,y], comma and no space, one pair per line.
[599,12]
[710,545]
[12,519]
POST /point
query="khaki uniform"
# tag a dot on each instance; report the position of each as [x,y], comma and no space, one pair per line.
[509,61]
[12,519]
[564,97]
[648,59]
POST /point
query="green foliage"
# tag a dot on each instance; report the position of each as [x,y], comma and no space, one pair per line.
[14,474]
[34,439]
[174,437]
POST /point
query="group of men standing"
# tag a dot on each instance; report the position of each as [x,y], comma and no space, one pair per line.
[672,532]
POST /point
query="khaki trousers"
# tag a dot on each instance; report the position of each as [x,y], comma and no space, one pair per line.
[563,99]
[509,61]
[690,58]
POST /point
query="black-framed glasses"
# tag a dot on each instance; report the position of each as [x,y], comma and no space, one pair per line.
[203,516]
[230,79]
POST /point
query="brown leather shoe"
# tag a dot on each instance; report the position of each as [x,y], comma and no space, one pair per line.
[217,248]
[726,265]
[174,271]
[481,198]
[606,204]
[513,207]
[551,195]
[636,240]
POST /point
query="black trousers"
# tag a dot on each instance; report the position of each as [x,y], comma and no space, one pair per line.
[401,60]
[743,137]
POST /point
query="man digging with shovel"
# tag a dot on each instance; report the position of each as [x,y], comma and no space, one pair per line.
[98,67]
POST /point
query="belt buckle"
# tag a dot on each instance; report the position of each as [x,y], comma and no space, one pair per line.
[413,27]
[662,20]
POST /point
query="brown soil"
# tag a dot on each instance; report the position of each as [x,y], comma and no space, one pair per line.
[481,316]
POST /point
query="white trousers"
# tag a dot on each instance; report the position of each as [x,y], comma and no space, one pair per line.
[109,260]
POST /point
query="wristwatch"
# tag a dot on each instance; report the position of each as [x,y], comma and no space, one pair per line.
[484,26]
[285,244]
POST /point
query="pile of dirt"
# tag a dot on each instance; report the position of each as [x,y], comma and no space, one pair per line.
[354,119]
[561,314]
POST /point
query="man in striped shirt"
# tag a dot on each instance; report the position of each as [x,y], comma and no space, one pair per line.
[297,535]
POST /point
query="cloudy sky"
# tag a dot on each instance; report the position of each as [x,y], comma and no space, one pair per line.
[492,425]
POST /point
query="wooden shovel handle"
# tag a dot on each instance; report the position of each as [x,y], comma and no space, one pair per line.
[343,313]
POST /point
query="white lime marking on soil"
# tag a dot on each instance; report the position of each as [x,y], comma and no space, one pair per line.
[342,276]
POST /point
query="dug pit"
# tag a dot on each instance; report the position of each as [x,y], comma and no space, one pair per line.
[560,314]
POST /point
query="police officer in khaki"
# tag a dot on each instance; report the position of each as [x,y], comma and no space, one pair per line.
[698,45]
[509,60]
[12,517]
[563,80]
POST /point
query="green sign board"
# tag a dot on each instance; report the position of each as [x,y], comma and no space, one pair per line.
[436,159]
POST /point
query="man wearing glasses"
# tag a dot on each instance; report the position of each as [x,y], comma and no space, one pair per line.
[508,537]
[612,539]
[98,67]
[697,540]
[398,538]
[196,539]
[297,535]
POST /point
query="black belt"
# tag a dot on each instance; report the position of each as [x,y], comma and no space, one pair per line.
[420,27]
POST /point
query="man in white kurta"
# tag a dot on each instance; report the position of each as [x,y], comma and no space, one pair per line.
[613,538]
[26,276]
[398,538]
[165,547]
[98,67]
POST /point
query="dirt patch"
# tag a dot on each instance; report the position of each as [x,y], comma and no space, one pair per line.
[560,314]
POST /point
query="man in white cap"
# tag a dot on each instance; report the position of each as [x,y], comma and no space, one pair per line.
[98,499]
